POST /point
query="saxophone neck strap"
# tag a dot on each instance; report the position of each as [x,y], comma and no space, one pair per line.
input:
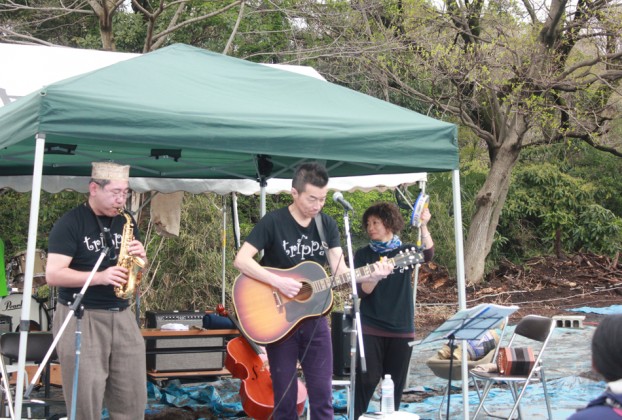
[106,234]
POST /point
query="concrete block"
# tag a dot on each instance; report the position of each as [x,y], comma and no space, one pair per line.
[569,321]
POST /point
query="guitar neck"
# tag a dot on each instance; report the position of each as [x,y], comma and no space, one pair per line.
[335,281]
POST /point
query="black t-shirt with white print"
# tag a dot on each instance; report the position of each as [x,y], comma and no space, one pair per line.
[286,243]
[78,235]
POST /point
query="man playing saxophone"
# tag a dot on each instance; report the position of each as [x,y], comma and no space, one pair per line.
[112,369]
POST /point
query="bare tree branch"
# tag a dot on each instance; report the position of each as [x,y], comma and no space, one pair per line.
[235,29]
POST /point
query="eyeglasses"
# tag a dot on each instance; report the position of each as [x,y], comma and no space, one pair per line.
[116,192]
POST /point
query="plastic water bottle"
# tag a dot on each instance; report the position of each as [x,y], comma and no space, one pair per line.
[386,403]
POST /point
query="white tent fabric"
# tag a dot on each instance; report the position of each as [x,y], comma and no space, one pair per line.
[21,73]
[55,183]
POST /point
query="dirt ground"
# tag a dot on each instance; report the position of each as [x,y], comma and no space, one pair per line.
[544,286]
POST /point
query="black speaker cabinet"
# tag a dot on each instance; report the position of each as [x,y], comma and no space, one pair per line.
[182,361]
[341,326]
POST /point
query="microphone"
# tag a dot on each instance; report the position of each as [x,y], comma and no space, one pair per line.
[338,198]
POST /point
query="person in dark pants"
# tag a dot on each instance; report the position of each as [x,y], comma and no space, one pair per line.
[607,361]
[387,307]
[289,236]
[112,370]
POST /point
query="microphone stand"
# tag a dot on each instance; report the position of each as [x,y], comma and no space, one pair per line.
[75,309]
[356,325]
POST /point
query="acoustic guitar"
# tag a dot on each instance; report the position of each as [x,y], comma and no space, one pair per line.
[266,316]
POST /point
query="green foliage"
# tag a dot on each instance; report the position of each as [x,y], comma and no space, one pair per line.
[130,31]
[186,272]
[601,169]
[560,211]
[15,215]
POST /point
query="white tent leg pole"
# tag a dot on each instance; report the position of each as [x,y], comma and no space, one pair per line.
[235,220]
[262,200]
[423,185]
[415,284]
[33,225]
[262,205]
[457,203]
[224,246]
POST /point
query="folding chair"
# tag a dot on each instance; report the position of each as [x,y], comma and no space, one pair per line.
[440,367]
[37,347]
[536,329]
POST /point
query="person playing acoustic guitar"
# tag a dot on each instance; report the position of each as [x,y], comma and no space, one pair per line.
[288,237]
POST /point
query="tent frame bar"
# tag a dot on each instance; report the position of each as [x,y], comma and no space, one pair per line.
[33,226]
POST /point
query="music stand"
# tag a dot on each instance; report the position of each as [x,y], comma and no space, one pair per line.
[468,324]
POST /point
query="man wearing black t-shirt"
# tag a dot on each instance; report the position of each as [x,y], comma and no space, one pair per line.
[289,236]
[112,369]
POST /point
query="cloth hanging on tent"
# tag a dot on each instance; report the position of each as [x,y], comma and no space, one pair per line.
[3,285]
[166,213]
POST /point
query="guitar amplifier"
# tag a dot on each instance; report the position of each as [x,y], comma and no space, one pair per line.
[182,361]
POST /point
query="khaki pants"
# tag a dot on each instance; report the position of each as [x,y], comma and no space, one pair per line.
[112,370]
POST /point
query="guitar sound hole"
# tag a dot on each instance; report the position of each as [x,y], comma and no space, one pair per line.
[305,292]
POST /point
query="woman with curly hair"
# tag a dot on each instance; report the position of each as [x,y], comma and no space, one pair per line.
[387,307]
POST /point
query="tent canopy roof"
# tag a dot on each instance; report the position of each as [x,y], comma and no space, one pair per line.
[183,112]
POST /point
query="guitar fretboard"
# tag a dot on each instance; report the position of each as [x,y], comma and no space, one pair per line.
[330,282]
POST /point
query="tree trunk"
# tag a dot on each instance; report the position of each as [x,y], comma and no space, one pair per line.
[107,39]
[488,205]
[105,10]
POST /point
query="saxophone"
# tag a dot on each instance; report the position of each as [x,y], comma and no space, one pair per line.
[133,264]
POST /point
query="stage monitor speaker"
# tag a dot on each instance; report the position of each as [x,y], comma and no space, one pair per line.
[341,326]
[207,360]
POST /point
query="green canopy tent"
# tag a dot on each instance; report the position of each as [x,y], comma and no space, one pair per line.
[185,113]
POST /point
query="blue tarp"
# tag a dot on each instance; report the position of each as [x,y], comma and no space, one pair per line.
[609,310]
[566,394]
[218,398]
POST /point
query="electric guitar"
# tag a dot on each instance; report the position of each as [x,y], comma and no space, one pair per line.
[266,316]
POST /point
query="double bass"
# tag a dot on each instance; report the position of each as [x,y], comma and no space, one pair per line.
[256,393]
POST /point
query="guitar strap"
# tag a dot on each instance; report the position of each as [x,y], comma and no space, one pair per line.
[320,229]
